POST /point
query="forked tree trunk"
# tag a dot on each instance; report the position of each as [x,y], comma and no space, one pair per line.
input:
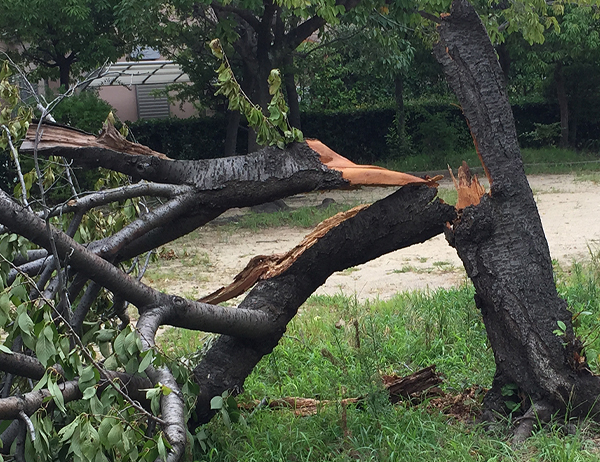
[502,244]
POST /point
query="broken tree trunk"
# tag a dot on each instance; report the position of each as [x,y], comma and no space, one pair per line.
[194,192]
[502,244]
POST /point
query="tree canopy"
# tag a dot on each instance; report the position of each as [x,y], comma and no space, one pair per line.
[60,40]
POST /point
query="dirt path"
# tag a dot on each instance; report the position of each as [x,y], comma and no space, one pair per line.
[212,256]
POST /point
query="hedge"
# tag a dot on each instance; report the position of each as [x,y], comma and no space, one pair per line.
[363,135]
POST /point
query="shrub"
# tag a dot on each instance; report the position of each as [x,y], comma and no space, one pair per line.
[85,111]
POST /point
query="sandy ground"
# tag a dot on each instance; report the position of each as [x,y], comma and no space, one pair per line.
[570,212]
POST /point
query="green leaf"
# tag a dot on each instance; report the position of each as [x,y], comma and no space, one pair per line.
[562,326]
[89,392]
[44,349]
[105,335]
[147,358]
[165,390]
[114,435]
[5,349]
[132,365]
[104,428]
[512,406]
[162,449]
[111,363]
[87,374]
[25,323]
[216,403]
[66,432]
[57,396]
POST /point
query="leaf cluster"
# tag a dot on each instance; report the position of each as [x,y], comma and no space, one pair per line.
[14,117]
[272,130]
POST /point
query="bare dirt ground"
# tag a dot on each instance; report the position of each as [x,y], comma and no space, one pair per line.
[213,255]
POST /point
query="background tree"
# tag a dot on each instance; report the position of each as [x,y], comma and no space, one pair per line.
[257,36]
[564,68]
[61,40]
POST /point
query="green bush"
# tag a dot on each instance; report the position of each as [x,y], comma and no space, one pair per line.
[85,111]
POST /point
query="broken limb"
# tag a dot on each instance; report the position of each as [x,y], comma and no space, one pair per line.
[408,216]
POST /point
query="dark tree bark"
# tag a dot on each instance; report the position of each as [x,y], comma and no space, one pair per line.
[405,218]
[502,244]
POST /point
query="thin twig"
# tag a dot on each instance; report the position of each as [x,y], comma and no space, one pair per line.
[15,154]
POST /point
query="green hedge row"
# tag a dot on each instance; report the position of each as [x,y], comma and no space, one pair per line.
[362,135]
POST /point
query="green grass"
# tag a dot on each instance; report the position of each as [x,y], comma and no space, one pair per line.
[593,177]
[540,160]
[302,217]
[320,357]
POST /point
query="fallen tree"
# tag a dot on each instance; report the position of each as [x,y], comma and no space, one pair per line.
[62,300]
[69,274]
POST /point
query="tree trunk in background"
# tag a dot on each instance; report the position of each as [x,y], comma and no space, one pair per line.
[65,74]
[400,114]
[502,244]
[292,94]
[563,103]
[233,123]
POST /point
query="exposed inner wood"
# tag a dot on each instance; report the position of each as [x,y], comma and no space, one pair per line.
[366,175]
[53,136]
[262,267]
[470,191]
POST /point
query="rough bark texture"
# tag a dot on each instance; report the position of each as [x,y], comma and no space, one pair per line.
[501,241]
[407,217]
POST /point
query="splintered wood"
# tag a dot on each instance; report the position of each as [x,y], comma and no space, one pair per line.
[421,384]
[366,175]
[470,191]
[54,135]
[264,267]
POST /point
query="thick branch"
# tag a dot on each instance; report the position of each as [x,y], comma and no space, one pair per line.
[21,365]
[297,165]
[407,217]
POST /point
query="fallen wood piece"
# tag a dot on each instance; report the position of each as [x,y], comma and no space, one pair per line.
[415,385]
[399,388]
[365,175]
[470,191]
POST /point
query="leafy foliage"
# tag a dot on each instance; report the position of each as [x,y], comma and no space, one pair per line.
[272,130]
[84,110]
[63,39]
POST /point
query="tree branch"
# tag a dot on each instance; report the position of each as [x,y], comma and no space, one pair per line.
[406,217]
